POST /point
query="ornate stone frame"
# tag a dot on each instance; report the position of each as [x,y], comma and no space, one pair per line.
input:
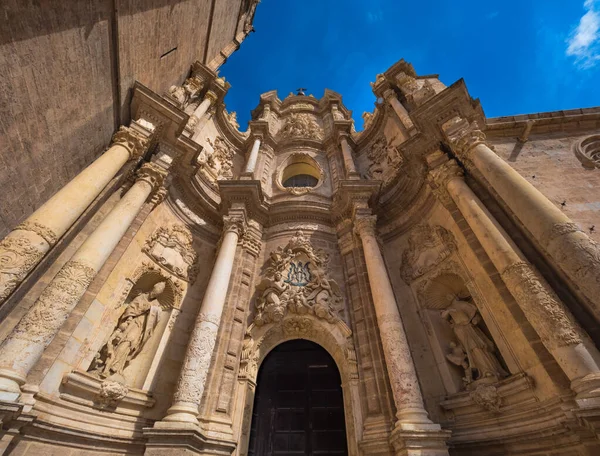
[298,157]
[587,151]
[335,338]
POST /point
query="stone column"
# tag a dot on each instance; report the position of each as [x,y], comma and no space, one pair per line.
[23,248]
[348,159]
[558,331]
[190,386]
[200,111]
[398,108]
[26,343]
[411,413]
[251,163]
[573,252]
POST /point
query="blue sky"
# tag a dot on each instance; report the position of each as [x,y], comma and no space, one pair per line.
[517,56]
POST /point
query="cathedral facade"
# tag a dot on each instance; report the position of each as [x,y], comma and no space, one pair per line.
[427,286]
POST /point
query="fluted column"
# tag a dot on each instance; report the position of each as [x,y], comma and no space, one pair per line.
[348,159]
[25,344]
[573,252]
[23,248]
[251,163]
[558,331]
[200,111]
[192,379]
[398,108]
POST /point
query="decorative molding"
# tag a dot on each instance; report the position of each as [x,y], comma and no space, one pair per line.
[18,256]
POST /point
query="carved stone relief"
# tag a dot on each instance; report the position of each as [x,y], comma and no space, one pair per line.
[232,119]
[296,281]
[384,161]
[171,247]
[133,329]
[301,125]
[218,163]
[427,248]
[187,93]
[588,151]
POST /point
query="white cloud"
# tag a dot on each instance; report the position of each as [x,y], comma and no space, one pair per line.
[584,41]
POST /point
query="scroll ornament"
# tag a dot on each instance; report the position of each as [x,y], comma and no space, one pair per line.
[296,281]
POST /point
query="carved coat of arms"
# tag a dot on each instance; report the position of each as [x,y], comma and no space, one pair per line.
[296,281]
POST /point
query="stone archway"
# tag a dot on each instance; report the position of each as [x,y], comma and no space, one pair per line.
[335,338]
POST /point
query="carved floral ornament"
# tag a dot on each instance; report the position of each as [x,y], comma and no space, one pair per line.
[302,126]
[171,247]
[296,281]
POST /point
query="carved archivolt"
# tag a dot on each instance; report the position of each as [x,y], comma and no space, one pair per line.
[296,281]
[171,247]
[336,338]
[301,125]
[588,151]
[384,161]
[427,248]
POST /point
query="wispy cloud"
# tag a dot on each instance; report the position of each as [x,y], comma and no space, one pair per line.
[584,41]
[374,16]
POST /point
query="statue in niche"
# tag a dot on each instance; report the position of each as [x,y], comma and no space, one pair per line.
[135,326]
[474,351]
[296,281]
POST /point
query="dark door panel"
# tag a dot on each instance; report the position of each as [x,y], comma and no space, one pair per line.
[298,409]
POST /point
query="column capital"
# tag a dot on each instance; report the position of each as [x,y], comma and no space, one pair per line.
[153,174]
[439,178]
[234,223]
[211,96]
[364,225]
[463,136]
[132,140]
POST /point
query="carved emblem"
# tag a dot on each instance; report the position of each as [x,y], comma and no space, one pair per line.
[301,125]
[296,281]
[427,247]
[385,161]
[172,249]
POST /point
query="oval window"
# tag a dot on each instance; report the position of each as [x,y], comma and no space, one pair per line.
[301,180]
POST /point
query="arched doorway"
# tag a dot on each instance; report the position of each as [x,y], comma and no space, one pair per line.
[298,407]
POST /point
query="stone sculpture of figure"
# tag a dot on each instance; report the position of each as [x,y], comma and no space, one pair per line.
[479,349]
[459,357]
[270,301]
[134,328]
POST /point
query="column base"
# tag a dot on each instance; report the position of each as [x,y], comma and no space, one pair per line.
[420,442]
[10,385]
[182,413]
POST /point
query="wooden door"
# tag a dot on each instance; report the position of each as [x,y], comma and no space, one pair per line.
[298,409]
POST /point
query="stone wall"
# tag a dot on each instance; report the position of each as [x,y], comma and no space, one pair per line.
[69,68]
